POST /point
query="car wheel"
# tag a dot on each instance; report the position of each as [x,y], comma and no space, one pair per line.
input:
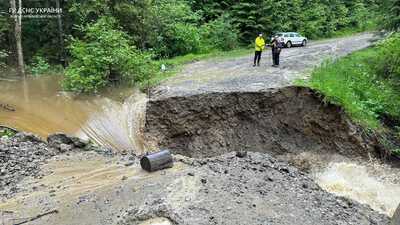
[304,43]
[289,44]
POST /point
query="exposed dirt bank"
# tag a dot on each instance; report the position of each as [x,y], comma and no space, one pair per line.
[85,187]
[277,121]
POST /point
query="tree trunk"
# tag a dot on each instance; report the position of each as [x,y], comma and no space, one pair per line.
[17,33]
[60,35]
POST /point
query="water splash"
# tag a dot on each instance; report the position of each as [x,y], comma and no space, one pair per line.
[114,118]
[117,125]
[373,185]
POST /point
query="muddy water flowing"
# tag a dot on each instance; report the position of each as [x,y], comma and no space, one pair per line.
[113,118]
[374,184]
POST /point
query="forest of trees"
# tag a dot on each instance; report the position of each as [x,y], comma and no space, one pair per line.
[103,40]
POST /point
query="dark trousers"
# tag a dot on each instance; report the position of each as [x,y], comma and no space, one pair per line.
[275,56]
[257,57]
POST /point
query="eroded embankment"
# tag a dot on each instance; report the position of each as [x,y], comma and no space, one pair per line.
[277,121]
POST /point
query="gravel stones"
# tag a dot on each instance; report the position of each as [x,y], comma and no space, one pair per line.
[23,154]
[65,143]
[20,156]
[256,189]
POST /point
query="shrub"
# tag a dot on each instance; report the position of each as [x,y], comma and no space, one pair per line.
[220,34]
[387,62]
[185,39]
[39,66]
[105,55]
[175,29]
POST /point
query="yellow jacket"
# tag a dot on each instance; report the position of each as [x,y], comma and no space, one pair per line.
[260,44]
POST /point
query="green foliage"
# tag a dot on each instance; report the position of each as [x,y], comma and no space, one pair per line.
[4,48]
[183,39]
[104,55]
[387,62]
[7,132]
[39,66]
[357,83]
[169,28]
[220,34]
[391,12]
[175,29]
[314,18]
[396,152]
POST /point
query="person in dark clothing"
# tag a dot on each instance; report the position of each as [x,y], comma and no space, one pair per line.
[257,58]
[276,46]
[259,47]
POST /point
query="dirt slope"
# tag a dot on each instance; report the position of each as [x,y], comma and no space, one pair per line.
[277,121]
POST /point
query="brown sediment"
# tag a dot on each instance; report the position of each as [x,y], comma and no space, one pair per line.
[277,121]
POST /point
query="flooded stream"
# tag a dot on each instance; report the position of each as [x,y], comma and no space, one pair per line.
[372,183]
[113,118]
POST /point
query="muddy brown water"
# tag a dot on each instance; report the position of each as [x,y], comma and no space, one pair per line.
[115,119]
[37,104]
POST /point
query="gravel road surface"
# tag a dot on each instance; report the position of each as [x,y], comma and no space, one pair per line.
[238,74]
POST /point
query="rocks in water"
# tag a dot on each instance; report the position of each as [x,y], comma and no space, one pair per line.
[65,143]
[25,137]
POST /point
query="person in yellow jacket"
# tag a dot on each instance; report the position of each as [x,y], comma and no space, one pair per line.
[259,45]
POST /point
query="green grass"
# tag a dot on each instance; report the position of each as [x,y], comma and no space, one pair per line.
[353,83]
[6,132]
[174,65]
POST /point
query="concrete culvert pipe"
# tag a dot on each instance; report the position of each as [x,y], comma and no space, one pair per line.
[157,161]
[396,217]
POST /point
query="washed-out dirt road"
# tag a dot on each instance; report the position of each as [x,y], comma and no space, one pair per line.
[238,74]
[78,186]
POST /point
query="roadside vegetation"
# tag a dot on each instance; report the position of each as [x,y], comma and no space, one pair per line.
[143,35]
[6,132]
[366,84]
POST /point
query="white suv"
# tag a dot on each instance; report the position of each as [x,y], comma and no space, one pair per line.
[292,38]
